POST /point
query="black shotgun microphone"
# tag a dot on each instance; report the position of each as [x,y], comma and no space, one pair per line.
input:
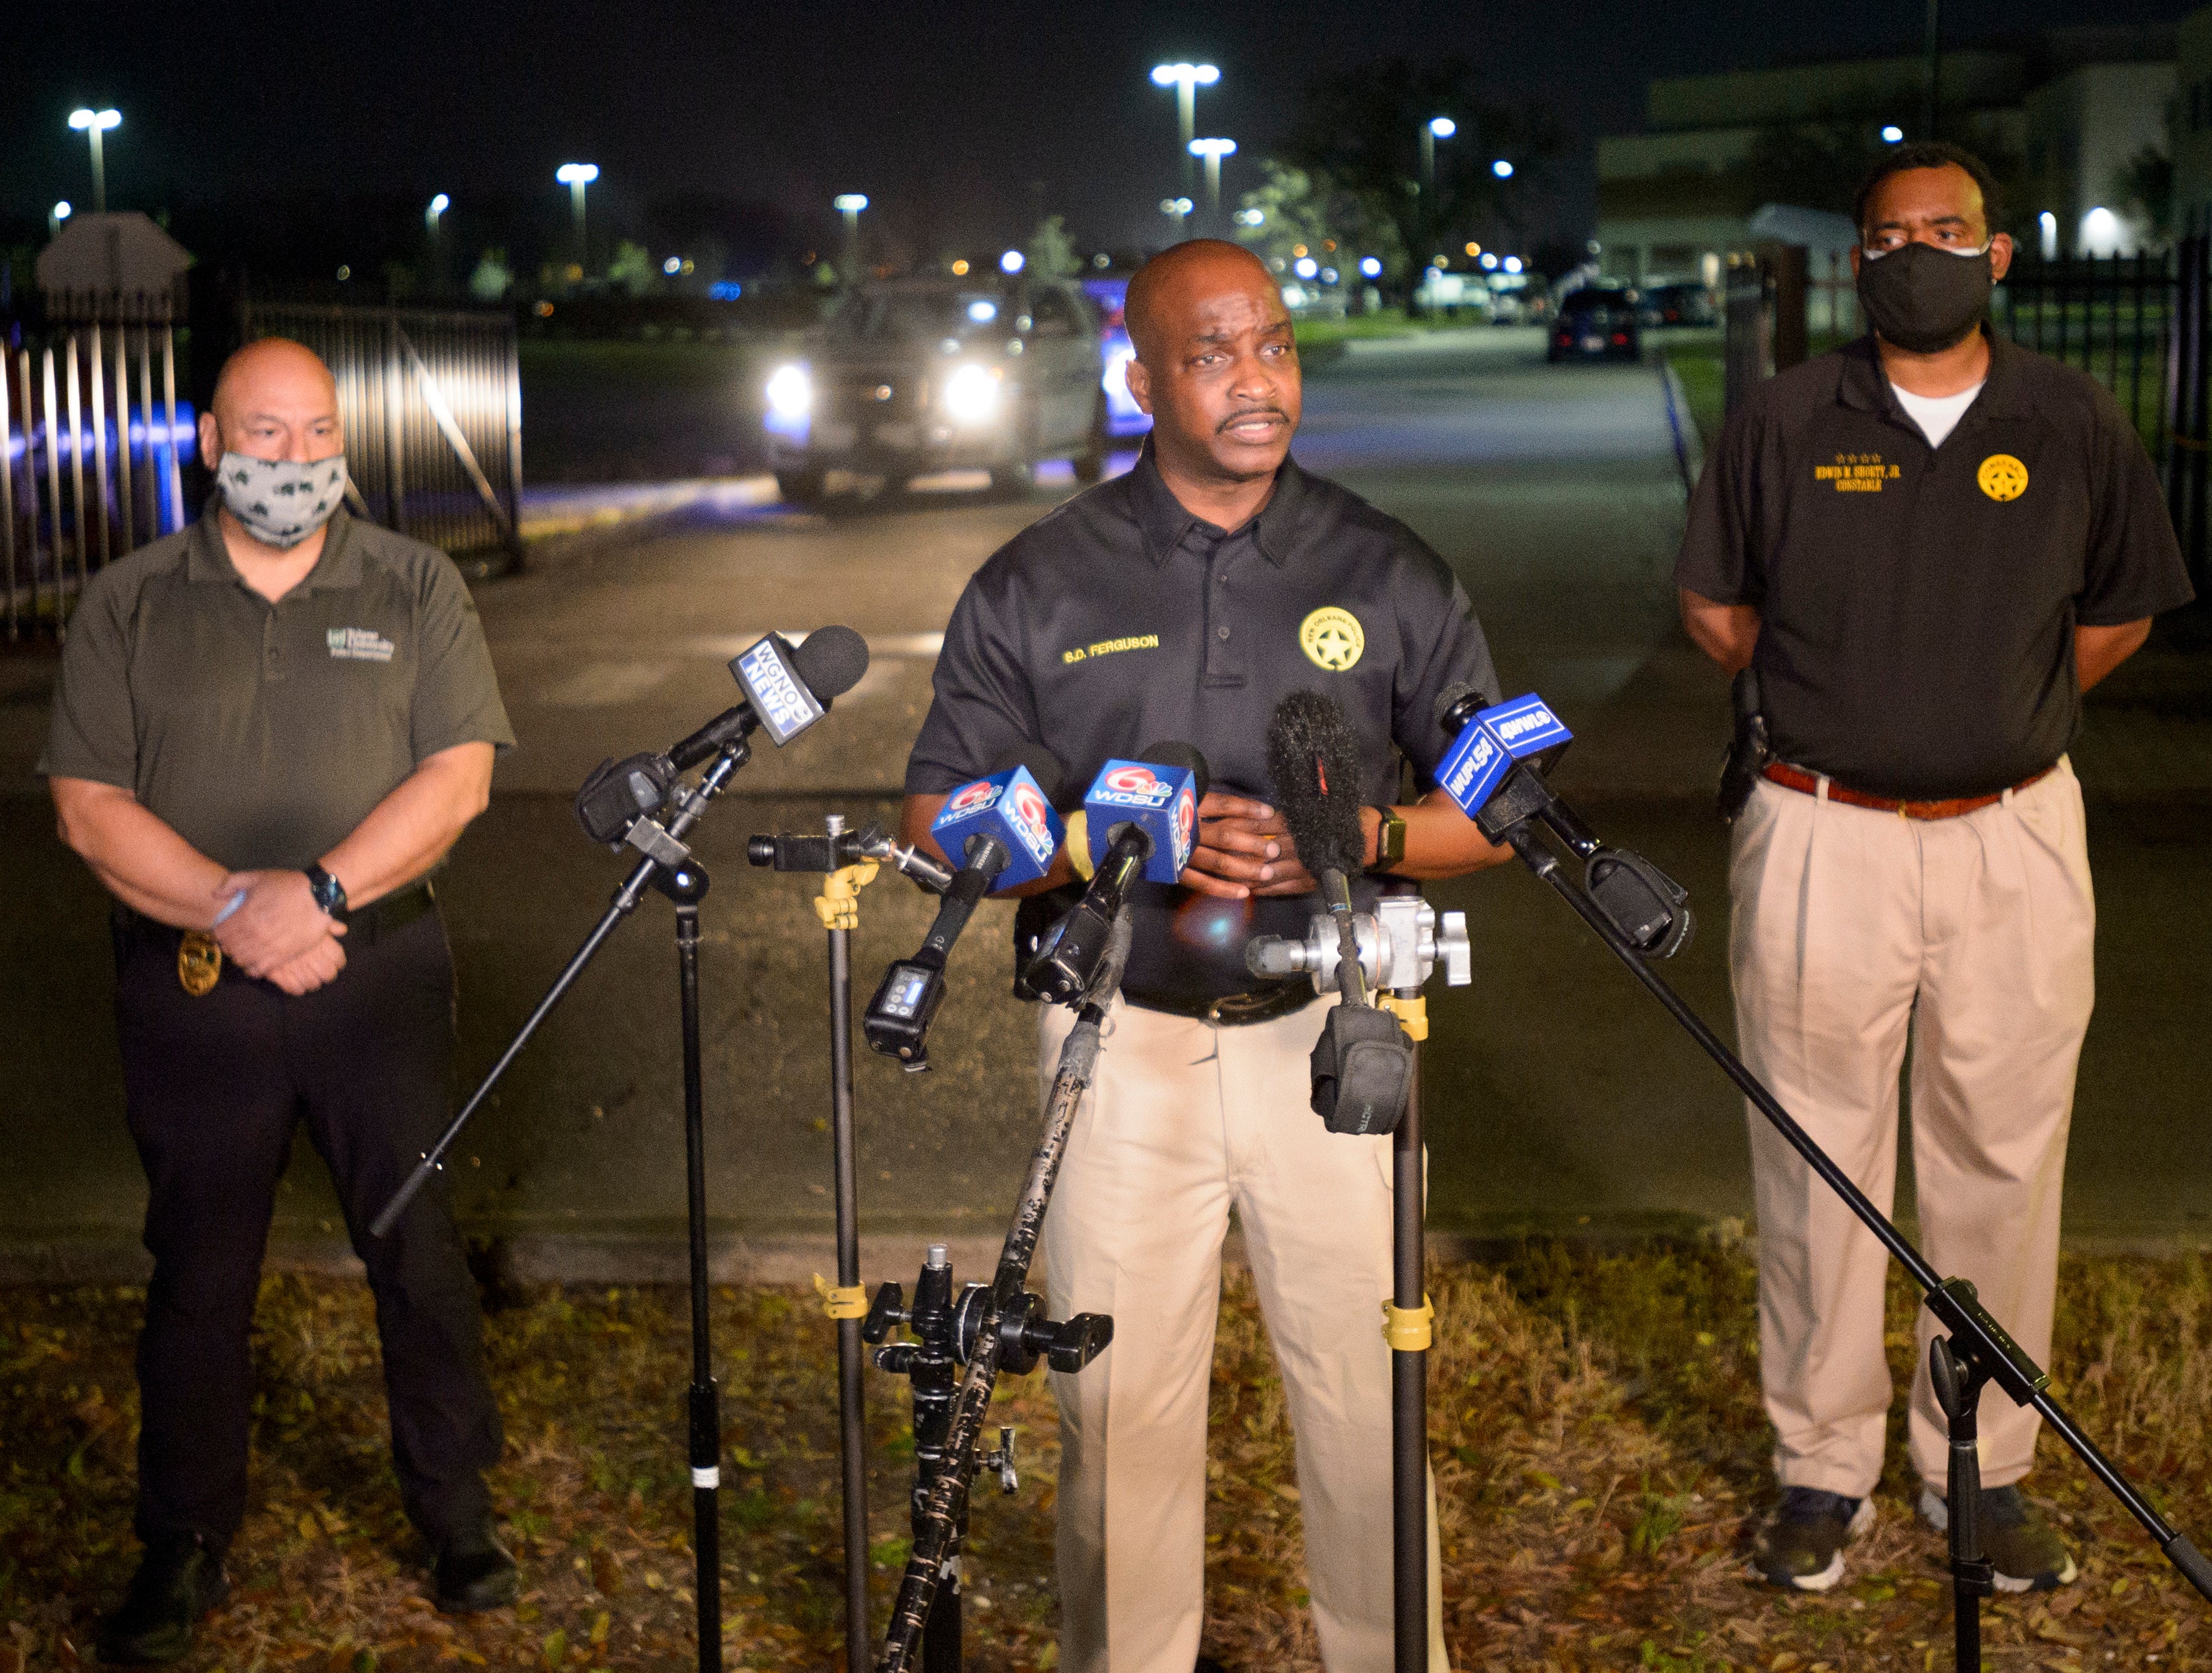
[1313,758]
[1362,1066]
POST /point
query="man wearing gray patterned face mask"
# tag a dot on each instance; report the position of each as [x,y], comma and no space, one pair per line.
[269,729]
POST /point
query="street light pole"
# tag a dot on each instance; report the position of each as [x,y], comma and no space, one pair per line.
[93,124]
[576,176]
[1177,210]
[1436,128]
[849,204]
[1186,79]
[1213,150]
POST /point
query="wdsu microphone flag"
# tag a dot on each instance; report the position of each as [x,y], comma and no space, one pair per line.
[1011,806]
[1160,801]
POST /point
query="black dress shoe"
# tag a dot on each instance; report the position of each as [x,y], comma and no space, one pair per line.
[178,1581]
[475,1572]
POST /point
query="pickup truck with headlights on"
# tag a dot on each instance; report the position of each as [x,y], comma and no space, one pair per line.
[908,377]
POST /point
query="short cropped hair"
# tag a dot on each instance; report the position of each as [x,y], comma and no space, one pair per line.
[1927,154]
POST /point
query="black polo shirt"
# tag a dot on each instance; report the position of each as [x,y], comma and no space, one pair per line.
[1917,603]
[263,733]
[1120,619]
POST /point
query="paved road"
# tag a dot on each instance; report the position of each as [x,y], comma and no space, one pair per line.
[1559,1096]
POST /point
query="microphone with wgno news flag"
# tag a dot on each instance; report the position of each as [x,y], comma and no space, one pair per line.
[1139,821]
[1004,830]
[1495,772]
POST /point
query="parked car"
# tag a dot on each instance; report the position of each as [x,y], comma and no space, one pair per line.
[1595,323]
[912,376]
[1662,305]
[1109,294]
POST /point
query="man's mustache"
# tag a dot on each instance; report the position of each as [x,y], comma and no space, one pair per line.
[1251,412]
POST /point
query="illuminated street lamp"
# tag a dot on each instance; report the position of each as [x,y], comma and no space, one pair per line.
[93,124]
[1501,168]
[1213,150]
[1012,261]
[62,211]
[1436,128]
[1177,210]
[439,205]
[849,204]
[1186,79]
[576,176]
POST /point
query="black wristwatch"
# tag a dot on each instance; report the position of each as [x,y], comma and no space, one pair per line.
[328,892]
[1389,837]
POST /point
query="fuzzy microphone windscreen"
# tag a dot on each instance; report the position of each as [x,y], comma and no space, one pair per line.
[1314,759]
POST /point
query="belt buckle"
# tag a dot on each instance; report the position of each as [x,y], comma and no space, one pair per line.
[199,962]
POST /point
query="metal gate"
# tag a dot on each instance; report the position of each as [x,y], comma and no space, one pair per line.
[95,442]
[432,407]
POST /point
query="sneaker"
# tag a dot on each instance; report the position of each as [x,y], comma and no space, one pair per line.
[2023,1549]
[1802,1545]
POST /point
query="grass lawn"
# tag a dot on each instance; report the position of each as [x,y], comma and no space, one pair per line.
[1595,1430]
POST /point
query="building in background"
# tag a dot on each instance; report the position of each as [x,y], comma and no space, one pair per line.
[2064,118]
[2191,206]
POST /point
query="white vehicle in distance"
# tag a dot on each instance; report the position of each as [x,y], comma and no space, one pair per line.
[908,377]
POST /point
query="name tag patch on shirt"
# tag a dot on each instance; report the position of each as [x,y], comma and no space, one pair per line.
[2002,477]
[1856,473]
[1135,641]
[1332,638]
[359,644]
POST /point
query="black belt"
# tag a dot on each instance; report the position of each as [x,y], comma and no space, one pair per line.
[365,927]
[1231,1010]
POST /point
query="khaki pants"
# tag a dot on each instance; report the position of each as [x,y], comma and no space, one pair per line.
[1852,930]
[1184,1121]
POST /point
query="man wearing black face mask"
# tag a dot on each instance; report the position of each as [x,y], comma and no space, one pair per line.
[1925,547]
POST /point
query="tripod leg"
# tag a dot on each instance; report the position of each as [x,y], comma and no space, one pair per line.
[1409,1378]
[706,1414]
[852,1438]
[940,1639]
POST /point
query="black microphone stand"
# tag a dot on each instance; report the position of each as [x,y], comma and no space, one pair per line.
[847,861]
[669,868]
[1977,1352]
[1408,1331]
[989,1328]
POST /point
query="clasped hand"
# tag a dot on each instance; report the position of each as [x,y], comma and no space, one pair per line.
[279,932]
[1243,848]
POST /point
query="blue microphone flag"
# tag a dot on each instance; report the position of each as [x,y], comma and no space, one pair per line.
[1161,801]
[1011,806]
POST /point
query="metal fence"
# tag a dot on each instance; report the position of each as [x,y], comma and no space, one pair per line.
[95,443]
[98,442]
[2137,325]
[432,407]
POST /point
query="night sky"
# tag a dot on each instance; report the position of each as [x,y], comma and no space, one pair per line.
[960,122]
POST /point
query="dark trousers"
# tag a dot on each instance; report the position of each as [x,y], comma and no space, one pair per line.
[213,1087]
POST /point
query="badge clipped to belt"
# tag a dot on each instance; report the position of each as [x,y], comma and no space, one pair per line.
[199,962]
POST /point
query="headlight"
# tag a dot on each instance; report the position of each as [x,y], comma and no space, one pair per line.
[971,394]
[790,391]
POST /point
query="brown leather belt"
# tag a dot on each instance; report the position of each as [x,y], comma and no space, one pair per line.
[1796,778]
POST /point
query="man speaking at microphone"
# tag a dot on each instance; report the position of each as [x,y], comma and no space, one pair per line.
[1925,546]
[1184,600]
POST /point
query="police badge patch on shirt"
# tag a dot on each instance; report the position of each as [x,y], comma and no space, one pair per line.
[359,645]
